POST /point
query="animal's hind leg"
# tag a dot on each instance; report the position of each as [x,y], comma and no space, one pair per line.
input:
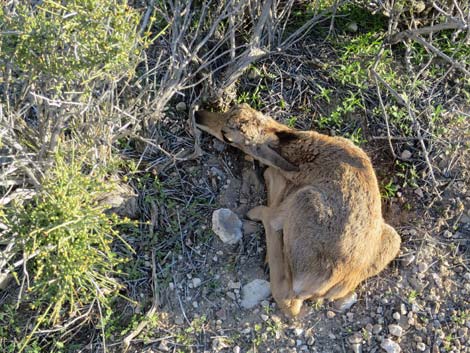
[280,274]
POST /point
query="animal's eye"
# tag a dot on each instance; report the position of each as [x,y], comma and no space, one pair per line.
[226,138]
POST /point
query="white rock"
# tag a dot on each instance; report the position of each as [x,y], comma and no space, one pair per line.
[390,346]
[405,155]
[395,330]
[254,292]
[181,106]
[196,282]
[227,226]
[448,234]
[346,303]
[236,349]
[421,346]
[5,278]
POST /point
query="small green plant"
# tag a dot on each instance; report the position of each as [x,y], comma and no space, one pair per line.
[412,296]
[252,98]
[389,190]
[65,238]
[291,121]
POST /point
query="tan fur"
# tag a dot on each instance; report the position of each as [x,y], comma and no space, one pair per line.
[324,227]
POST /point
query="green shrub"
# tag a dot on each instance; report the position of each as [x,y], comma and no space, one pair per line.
[66,236]
[57,43]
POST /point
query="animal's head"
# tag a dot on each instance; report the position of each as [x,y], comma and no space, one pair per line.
[248,130]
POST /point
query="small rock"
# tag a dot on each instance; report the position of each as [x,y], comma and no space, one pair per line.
[421,346]
[330,314]
[419,192]
[5,278]
[254,292]
[227,226]
[376,329]
[234,285]
[298,332]
[403,310]
[195,305]
[181,107]
[390,346]
[405,155]
[236,349]
[422,267]
[395,330]
[356,347]
[356,338]
[264,317]
[311,341]
[196,282]
[396,316]
[352,27]
[346,303]
[448,234]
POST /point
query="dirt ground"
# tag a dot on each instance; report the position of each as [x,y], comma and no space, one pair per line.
[421,301]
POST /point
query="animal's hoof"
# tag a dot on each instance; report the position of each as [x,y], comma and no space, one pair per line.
[256,213]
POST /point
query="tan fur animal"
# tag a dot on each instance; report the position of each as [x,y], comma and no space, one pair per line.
[324,227]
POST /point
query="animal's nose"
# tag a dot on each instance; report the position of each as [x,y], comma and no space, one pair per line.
[198,116]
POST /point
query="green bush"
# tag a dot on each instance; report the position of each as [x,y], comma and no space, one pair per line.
[59,43]
[65,236]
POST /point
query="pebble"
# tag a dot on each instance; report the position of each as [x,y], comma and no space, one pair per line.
[352,27]
[395,330]
[264,317]
[181,107]
[330,314]
[419,192]
[236,349]
[422,267]
[355,339]
[421,346]
[254,292]
[405,155]
[311,341]
[396,316]
[234,285]
[390,346]
[403,310]
[298,331]
[356,347]
[227,226]
[376,329]
[196,282]
[448,234]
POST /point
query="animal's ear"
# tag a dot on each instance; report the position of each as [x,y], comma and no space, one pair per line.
[269,156]
[285,136]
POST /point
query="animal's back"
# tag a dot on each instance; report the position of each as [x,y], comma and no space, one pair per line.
[333,220]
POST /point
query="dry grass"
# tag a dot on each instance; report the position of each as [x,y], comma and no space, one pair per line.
[398,85]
